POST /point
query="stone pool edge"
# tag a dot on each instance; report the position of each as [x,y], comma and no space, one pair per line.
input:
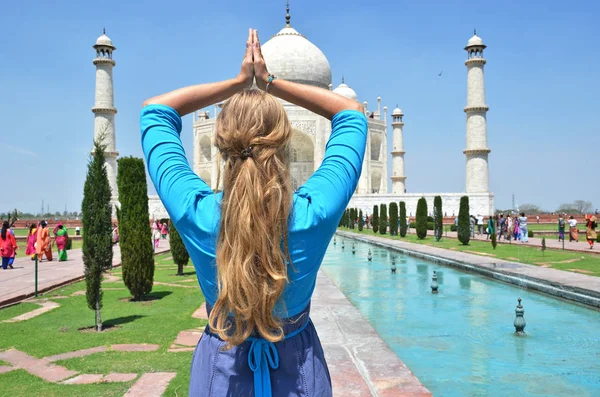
[360,362]
[505,271]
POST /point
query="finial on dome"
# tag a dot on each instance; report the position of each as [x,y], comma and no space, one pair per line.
[342,79]
[104,30]
[287,13]
[475,32]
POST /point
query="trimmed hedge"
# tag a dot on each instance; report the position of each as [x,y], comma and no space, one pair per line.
[361,223]
[464,227]
[178,250]
[421,224]
[382,219]
[375,219]
[403,225]
[438,218]
[393,219]
[137,253]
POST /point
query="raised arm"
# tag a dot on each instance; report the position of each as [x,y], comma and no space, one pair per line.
[317,100]
[189,99]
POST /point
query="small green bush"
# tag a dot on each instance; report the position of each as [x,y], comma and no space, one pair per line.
[178,250]
[393,219]
[453,228]
[403,225]
[529,233]
[494,242]
[464,227]
[421,226]
[361,222]
[375,219]
[383,219]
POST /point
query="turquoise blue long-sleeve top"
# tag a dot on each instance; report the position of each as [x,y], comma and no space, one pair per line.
[195,209]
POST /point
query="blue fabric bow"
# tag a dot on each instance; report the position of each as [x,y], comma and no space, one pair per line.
[262,356]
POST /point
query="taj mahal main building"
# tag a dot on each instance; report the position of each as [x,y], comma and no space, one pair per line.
[291,56]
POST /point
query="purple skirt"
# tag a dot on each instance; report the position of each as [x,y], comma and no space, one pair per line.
[301,371]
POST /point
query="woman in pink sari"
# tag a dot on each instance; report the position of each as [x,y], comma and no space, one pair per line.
[61,240]
[31,240]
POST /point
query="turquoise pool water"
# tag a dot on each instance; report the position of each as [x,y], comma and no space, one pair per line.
[461,341]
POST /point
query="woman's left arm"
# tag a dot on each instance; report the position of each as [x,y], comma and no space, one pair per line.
[189,99]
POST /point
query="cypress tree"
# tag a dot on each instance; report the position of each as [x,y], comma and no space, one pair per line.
[178,250]
[352,217]
[375,219]
[403,225]
[383,218]
[464,227]
[137,254]
[393,219]
[360,221]
[438,220]
[96,221]
[421,218]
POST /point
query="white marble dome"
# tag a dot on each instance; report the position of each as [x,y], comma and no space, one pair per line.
[290,56]
[475,41]
[104,40]
[397,112]
[345,91]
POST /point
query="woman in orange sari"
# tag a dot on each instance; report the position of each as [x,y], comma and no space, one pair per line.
[43,242]
[31,240]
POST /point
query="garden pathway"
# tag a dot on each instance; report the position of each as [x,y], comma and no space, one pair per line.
[18,284]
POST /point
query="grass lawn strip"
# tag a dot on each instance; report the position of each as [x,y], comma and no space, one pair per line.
[562,260]
[156,321]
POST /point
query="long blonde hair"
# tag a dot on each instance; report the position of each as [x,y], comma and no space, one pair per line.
[253,135]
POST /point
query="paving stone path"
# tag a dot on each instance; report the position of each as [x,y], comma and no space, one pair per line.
[149,384]
[46,306]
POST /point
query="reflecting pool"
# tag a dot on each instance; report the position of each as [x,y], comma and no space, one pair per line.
[461,342]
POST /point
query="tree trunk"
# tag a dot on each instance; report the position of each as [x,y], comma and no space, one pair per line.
[98,317]
[180,269]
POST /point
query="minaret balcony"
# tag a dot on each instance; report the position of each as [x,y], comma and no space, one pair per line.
[472,61]
[477,151]
[398,178]
[108,154]
[104,109]
[397,152]
[476,109]
[104,61]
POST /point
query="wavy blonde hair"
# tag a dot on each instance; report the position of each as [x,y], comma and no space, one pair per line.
[252,250]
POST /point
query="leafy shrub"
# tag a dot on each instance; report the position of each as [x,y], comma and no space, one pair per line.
[438,220]
[403,219]
[178,250]
[453,228]
[464,228]
[375,219]
[393,219]
[383,219]
[529,233]
[137,253]
[360,221]
[421,226]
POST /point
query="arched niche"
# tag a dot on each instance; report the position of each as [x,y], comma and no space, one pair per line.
[375,146]
[302,158]
[206,148]
[375,181]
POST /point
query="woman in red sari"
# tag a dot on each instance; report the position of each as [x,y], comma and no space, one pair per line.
[31,240]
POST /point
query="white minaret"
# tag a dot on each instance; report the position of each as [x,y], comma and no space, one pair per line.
[398,176]
[477,149]
[104,108]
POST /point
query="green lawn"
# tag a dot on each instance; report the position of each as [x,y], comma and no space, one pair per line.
[155,321]
[24,232]
[564,260]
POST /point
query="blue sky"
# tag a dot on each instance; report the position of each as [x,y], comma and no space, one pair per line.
[542,83]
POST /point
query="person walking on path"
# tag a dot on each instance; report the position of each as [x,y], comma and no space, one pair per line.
[43,246]
[590,232]
[31,240]
[516,229]
[256,245]
[491,227]
[510,227]
[573,232]
[561,228]
[472,222]
[502,227]
[61,239]
[8,246]
[164,230]
[479,225]
[523,228]
[156,237]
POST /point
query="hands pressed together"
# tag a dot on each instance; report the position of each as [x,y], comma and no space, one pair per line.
[253,64]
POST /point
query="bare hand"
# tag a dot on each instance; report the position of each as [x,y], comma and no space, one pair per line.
[247,72]
[260,67]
